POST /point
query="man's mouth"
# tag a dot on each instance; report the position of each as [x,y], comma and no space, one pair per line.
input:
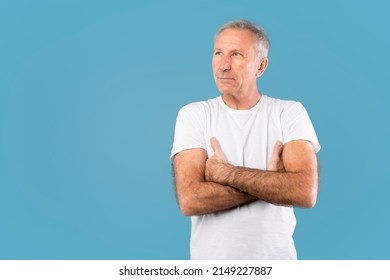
[225,78]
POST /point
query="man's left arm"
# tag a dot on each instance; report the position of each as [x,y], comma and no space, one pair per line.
[296,185]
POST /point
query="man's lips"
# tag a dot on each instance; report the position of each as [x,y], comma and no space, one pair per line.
[225,78]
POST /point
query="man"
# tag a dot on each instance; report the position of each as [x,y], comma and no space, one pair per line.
[243,159]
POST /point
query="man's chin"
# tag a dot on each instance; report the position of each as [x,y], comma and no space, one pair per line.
[224,90]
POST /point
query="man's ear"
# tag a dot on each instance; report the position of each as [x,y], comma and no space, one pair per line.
[263,63]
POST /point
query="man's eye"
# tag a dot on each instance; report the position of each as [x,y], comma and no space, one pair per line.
[236,54]
[218,53]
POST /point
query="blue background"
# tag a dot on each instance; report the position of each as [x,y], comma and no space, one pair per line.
[89,92]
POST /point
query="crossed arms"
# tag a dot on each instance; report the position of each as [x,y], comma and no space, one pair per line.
[210,185]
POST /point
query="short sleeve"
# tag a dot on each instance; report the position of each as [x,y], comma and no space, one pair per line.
[189,129]
[296,125]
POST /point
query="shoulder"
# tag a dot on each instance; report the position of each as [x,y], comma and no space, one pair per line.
[281,104]
[199,108]
[283,107]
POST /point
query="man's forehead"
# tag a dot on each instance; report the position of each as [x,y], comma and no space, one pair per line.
[234,37]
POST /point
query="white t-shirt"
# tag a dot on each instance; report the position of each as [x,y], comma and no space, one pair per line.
[258,230]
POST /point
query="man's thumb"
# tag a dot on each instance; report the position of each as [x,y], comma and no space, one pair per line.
[278,148]
[215,144]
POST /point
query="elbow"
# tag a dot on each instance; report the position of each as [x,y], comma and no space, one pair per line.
[309,202]
[310,197]
[189,206]
[309,187]
[188,202]
[185,207]
[186,211]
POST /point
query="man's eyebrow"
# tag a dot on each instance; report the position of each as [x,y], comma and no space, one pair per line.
[243,52]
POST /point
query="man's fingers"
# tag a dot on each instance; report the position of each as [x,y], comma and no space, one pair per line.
[276,162]
[215,145]
[278,148]
[218,153]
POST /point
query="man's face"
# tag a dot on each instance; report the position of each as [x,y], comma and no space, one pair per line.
[235,65]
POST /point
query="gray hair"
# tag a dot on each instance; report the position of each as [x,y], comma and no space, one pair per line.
[262,42]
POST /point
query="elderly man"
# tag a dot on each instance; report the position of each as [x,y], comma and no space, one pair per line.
[243,159]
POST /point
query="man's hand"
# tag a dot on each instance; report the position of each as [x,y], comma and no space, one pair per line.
[276,161]
[216,164]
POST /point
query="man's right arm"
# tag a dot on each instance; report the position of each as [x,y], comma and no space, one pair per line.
[195,196]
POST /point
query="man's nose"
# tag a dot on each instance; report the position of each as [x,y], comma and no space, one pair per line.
[226,64]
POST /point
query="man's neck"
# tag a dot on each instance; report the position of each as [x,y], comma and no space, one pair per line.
[241,103]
